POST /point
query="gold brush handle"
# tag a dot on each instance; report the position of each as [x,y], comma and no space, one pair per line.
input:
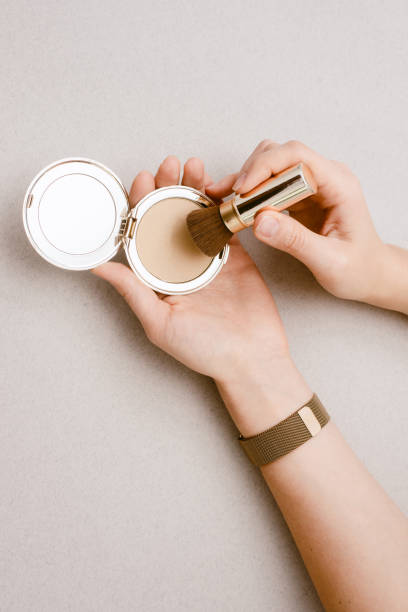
[279,192]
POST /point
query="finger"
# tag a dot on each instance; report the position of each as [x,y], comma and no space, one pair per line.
[194,174]
[168,172]
[150,310]
[207,180]
[264,145]
[222,188]
[141,186]
[288,235]
[279,158]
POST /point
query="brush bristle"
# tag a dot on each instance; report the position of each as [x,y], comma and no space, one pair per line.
[208,230]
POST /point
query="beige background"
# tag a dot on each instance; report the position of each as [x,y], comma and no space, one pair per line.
[122,485]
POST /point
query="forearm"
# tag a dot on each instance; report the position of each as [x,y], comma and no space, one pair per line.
[390,284]
[353,539]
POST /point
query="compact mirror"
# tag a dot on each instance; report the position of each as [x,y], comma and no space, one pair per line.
[73,211]
[76,215]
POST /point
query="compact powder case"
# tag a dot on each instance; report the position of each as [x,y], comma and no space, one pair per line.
[77,215]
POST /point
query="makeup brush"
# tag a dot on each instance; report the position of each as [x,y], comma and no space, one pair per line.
[212,227]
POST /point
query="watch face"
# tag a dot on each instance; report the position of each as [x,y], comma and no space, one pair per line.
[72,213]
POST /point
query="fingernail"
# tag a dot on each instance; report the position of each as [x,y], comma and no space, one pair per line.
[267,226]
[240,181]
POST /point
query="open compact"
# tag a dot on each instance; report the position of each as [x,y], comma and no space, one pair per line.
[77,215]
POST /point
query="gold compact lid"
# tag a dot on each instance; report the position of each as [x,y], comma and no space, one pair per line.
[73,211]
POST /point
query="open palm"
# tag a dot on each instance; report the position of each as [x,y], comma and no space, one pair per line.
[216,331]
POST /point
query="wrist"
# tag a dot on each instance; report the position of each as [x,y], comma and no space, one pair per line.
[261,397]
[390,285]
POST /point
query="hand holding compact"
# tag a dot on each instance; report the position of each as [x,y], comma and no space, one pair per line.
[230,330]
[207,330]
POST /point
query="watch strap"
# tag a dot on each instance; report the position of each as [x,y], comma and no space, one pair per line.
[287,435]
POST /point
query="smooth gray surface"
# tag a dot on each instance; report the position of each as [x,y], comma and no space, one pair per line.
[122,486]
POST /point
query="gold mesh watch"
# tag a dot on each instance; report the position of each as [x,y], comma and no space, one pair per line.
[287,435]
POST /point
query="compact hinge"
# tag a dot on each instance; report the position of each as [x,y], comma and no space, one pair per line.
[127,227]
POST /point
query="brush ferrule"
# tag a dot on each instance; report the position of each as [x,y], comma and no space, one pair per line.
[279,192]
[231,216]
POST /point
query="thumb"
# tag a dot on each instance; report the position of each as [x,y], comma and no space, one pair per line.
[146,305]
[285,233]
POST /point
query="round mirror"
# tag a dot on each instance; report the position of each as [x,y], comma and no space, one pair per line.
[72,213]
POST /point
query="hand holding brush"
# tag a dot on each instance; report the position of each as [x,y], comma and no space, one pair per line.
[212,227]
[331,232]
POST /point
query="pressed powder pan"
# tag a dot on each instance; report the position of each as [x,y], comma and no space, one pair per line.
[77,215]
[177,259]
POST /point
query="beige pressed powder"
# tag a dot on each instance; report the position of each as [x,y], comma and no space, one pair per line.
[164,244]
